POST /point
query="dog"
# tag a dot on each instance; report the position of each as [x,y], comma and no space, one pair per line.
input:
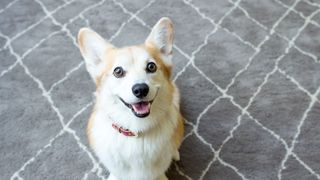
[136,127]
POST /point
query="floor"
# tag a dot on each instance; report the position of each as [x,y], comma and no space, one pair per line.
[248,70]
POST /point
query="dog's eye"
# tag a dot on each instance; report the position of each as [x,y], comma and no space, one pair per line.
[118,72]
[151,67]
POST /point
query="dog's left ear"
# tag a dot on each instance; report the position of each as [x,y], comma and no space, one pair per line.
[161,37]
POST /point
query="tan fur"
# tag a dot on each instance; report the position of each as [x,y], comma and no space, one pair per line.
[89,129]
[178,133]
[108,60]
[156,55]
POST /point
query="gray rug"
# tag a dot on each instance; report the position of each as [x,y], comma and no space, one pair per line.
[248,70]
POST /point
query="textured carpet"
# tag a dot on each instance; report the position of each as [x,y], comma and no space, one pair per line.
[248,70]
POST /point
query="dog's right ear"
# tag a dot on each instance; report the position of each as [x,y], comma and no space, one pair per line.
[93,48]
[161,37]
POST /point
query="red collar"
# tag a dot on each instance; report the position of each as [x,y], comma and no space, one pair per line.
[123,131]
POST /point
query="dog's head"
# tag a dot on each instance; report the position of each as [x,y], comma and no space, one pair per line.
[133,80]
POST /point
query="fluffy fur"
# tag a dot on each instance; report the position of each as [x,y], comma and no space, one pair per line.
[160,133]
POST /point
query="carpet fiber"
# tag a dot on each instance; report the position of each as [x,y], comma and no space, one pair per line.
[248,71]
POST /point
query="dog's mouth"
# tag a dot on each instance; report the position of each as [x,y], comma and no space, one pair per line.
[140,109]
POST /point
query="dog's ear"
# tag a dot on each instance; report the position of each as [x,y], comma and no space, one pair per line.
[93,48]
[161,37]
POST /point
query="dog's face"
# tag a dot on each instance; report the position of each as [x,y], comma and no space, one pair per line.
[135,78]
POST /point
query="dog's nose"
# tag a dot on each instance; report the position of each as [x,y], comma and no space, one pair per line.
[140,90]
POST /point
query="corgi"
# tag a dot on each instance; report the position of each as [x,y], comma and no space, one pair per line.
[136,126]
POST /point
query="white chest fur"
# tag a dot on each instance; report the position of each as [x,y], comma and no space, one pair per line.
[144,157]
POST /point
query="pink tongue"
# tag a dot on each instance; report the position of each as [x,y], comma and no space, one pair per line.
[141,107]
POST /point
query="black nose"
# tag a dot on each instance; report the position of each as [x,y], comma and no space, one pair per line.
[140,90]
